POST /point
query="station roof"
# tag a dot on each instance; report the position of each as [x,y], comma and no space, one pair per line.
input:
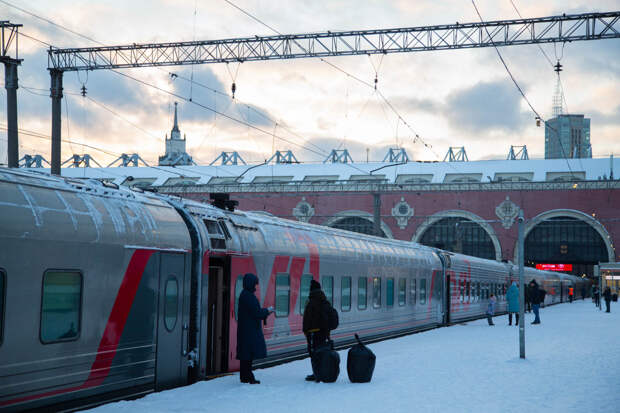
[536,170]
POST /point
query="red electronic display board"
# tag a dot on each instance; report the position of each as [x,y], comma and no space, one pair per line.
[555,267]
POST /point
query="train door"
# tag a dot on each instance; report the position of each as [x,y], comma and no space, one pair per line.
[171,366]
[218,317]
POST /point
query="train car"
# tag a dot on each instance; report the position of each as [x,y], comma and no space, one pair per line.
[95,292]
[111,293]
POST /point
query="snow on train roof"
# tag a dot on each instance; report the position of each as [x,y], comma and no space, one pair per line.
[536,170]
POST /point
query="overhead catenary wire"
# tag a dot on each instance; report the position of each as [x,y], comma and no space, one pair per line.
[514,81]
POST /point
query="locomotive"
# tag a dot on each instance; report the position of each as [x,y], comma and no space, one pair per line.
[108,292]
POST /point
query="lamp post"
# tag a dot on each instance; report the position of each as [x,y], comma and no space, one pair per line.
[521,289]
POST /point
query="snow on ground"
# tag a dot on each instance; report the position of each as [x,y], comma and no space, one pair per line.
[572,365]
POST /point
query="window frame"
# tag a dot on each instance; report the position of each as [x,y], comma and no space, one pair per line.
[342,289]
[423,297]
[236,303]
[176,312]
[402,282]
[302,304]
[359,303]
[79,332]
[288,290]
[374,282]
[324,278]
[3,282]
[389,292]
[413,291]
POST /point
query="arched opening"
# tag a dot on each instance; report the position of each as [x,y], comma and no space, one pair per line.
[461,235]
[565,239]
[356,224]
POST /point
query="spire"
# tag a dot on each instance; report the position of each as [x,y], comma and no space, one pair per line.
[175,133]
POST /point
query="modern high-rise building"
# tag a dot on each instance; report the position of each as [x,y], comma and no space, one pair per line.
[567,136]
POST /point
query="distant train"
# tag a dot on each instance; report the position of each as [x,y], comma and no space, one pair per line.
[110,293]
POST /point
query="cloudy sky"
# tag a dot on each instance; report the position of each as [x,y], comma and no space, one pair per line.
[449,98]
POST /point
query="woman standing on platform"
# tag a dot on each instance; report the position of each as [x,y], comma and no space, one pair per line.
[512,295]
[607,297]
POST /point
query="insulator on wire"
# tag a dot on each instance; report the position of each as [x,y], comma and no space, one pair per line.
[234,89]
[83,92]
[537,121]
[376,80]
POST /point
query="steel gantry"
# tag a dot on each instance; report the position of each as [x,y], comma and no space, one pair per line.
[564,28]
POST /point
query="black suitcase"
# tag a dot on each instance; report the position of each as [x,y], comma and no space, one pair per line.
[360,362]
[326,363]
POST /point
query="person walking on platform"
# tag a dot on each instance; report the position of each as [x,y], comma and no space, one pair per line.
[512,295]
[491,310]
[317,320]
[607,297]
[571,291]
[535,296]
[583,292]
[528,299]
[250,340]
[597,296]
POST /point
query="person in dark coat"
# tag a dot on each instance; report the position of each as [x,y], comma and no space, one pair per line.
[607,297]
[316,320]
[512,296]
[528,300]
[597,297]
[250,340]
[491,310]
[536,296]
[583,292]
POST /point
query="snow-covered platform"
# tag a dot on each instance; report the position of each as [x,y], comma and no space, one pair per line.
[572,365]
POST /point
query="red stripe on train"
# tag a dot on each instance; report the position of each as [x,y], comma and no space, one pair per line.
[112,333]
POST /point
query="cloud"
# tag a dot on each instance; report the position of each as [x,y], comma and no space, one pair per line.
[485,107]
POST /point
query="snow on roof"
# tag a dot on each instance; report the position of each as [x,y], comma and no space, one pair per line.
[437,172]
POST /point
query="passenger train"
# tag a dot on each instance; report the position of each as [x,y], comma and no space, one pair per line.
[109,293]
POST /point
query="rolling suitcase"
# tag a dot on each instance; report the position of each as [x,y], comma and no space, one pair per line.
[360,362]
[326,363]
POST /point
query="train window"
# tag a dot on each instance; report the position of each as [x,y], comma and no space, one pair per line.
[304,292]
[218,241]
[345,298]
[423,291]
[282,294]
[462,290]
[412,292]
[328,288]
[225,230]
[171,303]
[362,283]
[61,306]
[402,291]
[390,292]
[468,291]
[238,289]
[376,292]
[478,292]
[2,289]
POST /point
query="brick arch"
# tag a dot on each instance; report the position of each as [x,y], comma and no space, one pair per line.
[571,213]
[457,213]
[359,214]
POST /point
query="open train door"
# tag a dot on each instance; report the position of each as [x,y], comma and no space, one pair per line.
[171,364]
[218,313]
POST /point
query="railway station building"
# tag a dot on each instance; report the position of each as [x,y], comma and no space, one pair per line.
[571,207]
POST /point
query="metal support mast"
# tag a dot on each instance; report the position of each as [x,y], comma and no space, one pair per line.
[9,34]
[564,28]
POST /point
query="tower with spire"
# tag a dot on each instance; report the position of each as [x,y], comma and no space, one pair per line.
[175,146]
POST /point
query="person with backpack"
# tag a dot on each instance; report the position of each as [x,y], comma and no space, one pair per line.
[537,296]
[319,319]
[607,297]
[250,340]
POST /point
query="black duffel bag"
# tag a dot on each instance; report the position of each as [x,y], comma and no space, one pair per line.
[326,363]
[614,297]
[360,362]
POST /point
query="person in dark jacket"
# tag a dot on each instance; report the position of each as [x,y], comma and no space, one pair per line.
[607,297]
[597,297]
[250,341]
[491,310]
[316,320]
[536,296]
[528,300]
[583,292]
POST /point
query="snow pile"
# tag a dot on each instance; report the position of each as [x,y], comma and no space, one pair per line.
[572,365]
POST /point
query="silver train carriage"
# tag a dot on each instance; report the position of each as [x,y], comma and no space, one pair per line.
[110,293]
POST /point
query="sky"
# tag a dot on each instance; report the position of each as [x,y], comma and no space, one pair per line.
[448,98]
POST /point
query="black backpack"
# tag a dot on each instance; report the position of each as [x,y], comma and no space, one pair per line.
[332,318]
[360,362]
[325,363]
